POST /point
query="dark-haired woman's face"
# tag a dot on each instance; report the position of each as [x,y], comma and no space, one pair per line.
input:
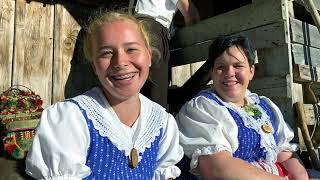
[231,75]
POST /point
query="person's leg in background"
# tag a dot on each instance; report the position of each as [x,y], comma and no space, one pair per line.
[157,87]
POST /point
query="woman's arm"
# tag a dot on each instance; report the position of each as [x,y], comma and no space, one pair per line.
[170,151]
[222,165]
[189,12]
[59,148]
[293,165]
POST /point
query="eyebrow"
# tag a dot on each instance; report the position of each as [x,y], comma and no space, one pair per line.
[125,44]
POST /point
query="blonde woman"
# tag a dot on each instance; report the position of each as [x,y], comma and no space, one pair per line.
[111,131]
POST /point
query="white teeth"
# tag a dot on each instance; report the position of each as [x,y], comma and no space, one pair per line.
[124,77]
[229,83]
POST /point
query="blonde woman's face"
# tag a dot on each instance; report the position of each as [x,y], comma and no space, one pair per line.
[231,75]
[121,59]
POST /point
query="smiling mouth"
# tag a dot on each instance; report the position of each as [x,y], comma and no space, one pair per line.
[123,77]
[230,83]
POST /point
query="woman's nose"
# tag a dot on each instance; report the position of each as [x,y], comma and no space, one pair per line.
[230,71]
[120,59]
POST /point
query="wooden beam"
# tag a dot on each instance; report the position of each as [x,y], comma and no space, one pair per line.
[304,33]
[271,86]
[302,73]
[241,19]
[303,54]
[268,36]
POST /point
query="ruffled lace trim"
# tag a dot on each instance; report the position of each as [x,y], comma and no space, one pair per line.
[290,147]
[267,140]
[167,173]
[205,151]
[107,123]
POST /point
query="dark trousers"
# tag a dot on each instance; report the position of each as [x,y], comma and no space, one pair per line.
[157,86]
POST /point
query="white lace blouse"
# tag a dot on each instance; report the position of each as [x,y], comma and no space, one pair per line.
[62,139]
[207,128]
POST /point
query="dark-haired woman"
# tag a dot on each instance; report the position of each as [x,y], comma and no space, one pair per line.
[229,132]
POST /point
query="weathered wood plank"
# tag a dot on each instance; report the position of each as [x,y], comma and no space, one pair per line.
[310,114]
[33,49]
[303,54]
[263,85]
[297,92]
[268,36]
[275,61]
[6,45]
[278,89]
[304,33]
[302,73]
[195,66]
[179,75]
[66,32]
[244,18]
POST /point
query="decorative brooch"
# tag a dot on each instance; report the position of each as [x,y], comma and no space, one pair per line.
[251,110]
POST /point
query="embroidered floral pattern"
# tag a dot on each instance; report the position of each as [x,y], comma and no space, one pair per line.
[20,112]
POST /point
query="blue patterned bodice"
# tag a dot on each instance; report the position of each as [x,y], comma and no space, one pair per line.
[108,163]
[249,140]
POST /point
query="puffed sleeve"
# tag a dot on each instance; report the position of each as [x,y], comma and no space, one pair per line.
[170,152]
[283,132]
[206,128]
[59,148]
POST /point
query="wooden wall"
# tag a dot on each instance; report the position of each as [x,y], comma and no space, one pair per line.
[276,35]
[288,51]
[41,48]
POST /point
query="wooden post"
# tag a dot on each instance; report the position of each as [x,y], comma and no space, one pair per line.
[306,136]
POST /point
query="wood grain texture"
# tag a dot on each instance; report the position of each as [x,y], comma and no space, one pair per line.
[180,74]
[302,73]
[66,30]
[267,36]
[244,18]
[33,48]
[304,33]
[301,53]
[6,45]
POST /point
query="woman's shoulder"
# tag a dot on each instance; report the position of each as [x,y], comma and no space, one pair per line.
[255,98]
[203,99]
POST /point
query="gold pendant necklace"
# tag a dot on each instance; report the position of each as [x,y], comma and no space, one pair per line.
[133,158]
[266,128]
[134,153]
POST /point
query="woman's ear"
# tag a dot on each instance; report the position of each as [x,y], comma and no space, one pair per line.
[252,71]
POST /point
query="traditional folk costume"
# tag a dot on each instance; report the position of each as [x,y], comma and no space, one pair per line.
[83,138]
[255,133]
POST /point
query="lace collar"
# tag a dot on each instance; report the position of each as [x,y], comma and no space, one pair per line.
[267,140]
[106,121]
